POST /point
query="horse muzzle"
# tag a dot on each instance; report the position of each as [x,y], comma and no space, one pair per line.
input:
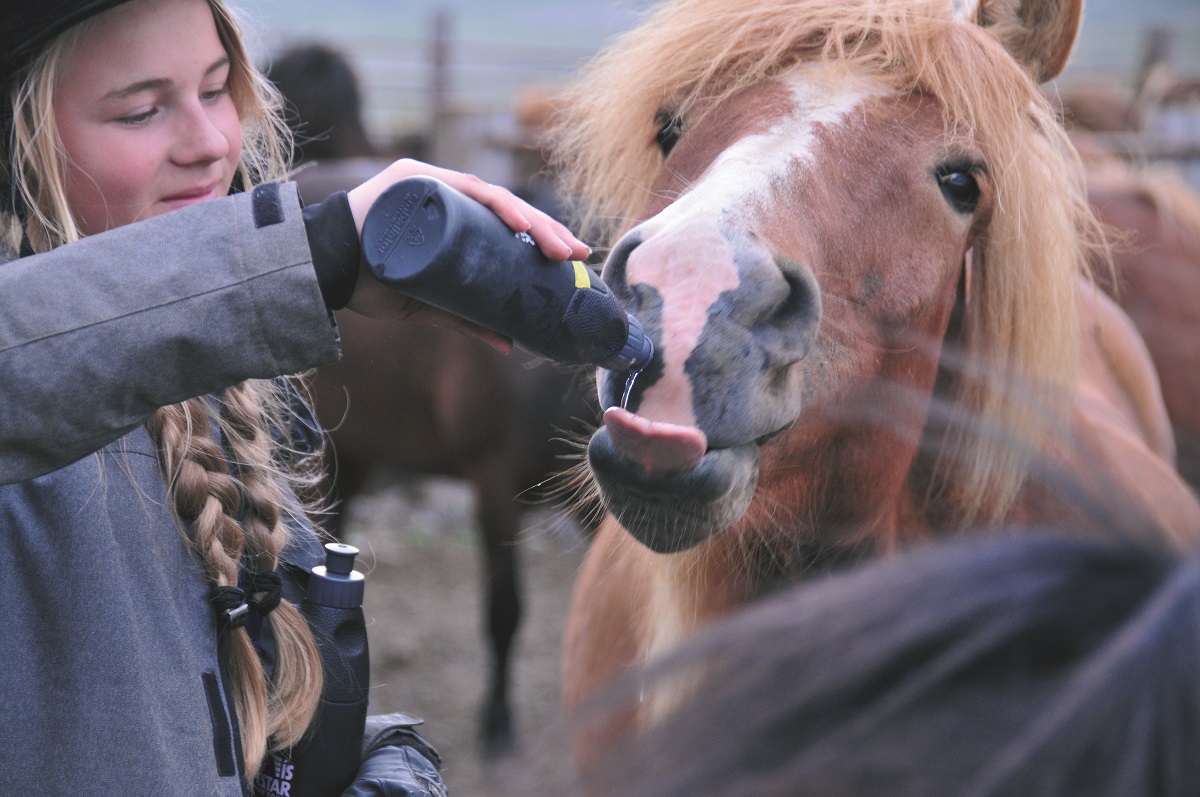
[732,319]
[669,497]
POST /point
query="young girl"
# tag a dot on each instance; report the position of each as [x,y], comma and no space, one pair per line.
[150,464]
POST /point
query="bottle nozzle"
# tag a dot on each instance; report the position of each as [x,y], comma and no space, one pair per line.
[336,583]
[637,351]
[339,558]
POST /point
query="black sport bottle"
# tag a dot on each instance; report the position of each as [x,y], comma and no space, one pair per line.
[434,243]
[326,759]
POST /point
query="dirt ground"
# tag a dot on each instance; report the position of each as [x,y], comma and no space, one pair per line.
[423,605]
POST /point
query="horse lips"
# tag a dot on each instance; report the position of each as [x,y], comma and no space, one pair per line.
[654,446]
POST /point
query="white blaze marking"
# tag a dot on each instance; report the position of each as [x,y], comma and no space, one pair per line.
[683,251]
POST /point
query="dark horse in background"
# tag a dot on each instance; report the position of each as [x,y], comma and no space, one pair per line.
[861,243]
[411,399]
[408,398]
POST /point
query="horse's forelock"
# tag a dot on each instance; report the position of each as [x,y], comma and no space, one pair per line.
[689,55]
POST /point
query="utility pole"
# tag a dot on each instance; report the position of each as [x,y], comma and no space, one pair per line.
[439,84]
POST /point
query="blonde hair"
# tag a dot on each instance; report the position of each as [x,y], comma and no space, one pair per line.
[1023,327]
[233,500]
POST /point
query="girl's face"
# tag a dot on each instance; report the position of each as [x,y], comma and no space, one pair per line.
[145,114]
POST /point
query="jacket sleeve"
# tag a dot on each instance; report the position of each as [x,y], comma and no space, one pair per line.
[397,761]
[97,334]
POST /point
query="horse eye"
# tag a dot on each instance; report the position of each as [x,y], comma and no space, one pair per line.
[670,128]
[960,187]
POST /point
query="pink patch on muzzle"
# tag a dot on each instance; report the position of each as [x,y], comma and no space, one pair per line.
[654,446]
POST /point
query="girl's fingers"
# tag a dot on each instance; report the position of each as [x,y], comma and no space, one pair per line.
[500,201]
[556,241]
[552,237]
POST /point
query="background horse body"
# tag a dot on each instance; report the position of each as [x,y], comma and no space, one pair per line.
[861,248]
[407,399]
[1156,255]
[410,399]
[1158,284]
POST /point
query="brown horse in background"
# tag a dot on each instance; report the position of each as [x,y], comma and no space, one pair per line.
[1154,218]
[407,399]
[860,241]
[1157,257]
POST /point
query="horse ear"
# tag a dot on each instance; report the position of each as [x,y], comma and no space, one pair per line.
[1038,33]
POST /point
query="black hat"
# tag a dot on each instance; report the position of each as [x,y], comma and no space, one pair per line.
[27,25]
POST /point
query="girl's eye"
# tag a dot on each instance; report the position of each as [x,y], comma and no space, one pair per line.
[215,94]
[960,187]
[139,118]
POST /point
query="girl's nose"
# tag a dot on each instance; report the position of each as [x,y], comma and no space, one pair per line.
[201,138]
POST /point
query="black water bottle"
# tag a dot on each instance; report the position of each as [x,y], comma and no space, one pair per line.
[326,760]
[434,243]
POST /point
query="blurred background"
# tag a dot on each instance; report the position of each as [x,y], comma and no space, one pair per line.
[447,73]
[450,72]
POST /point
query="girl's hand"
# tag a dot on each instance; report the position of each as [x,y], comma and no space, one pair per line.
[552,237]
[371,298]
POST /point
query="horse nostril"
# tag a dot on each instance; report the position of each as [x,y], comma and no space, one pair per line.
[789,329]
[802,300]
[616,265]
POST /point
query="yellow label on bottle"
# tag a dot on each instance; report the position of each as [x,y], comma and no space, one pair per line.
[582,280]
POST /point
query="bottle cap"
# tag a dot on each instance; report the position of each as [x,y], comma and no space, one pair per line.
[336,583]
[637,351]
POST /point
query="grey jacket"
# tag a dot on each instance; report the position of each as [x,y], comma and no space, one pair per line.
[97,335]
[110,680]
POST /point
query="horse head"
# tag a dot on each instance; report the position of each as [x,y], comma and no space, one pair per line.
[821,195]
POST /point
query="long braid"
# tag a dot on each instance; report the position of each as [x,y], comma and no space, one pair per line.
[209,496]
[250,414]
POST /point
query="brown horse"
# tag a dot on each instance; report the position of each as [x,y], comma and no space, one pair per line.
[407,399]
[1157,258]
[861,243]
[1155,219]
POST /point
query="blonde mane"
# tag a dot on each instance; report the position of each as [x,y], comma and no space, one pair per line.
[1022,320]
